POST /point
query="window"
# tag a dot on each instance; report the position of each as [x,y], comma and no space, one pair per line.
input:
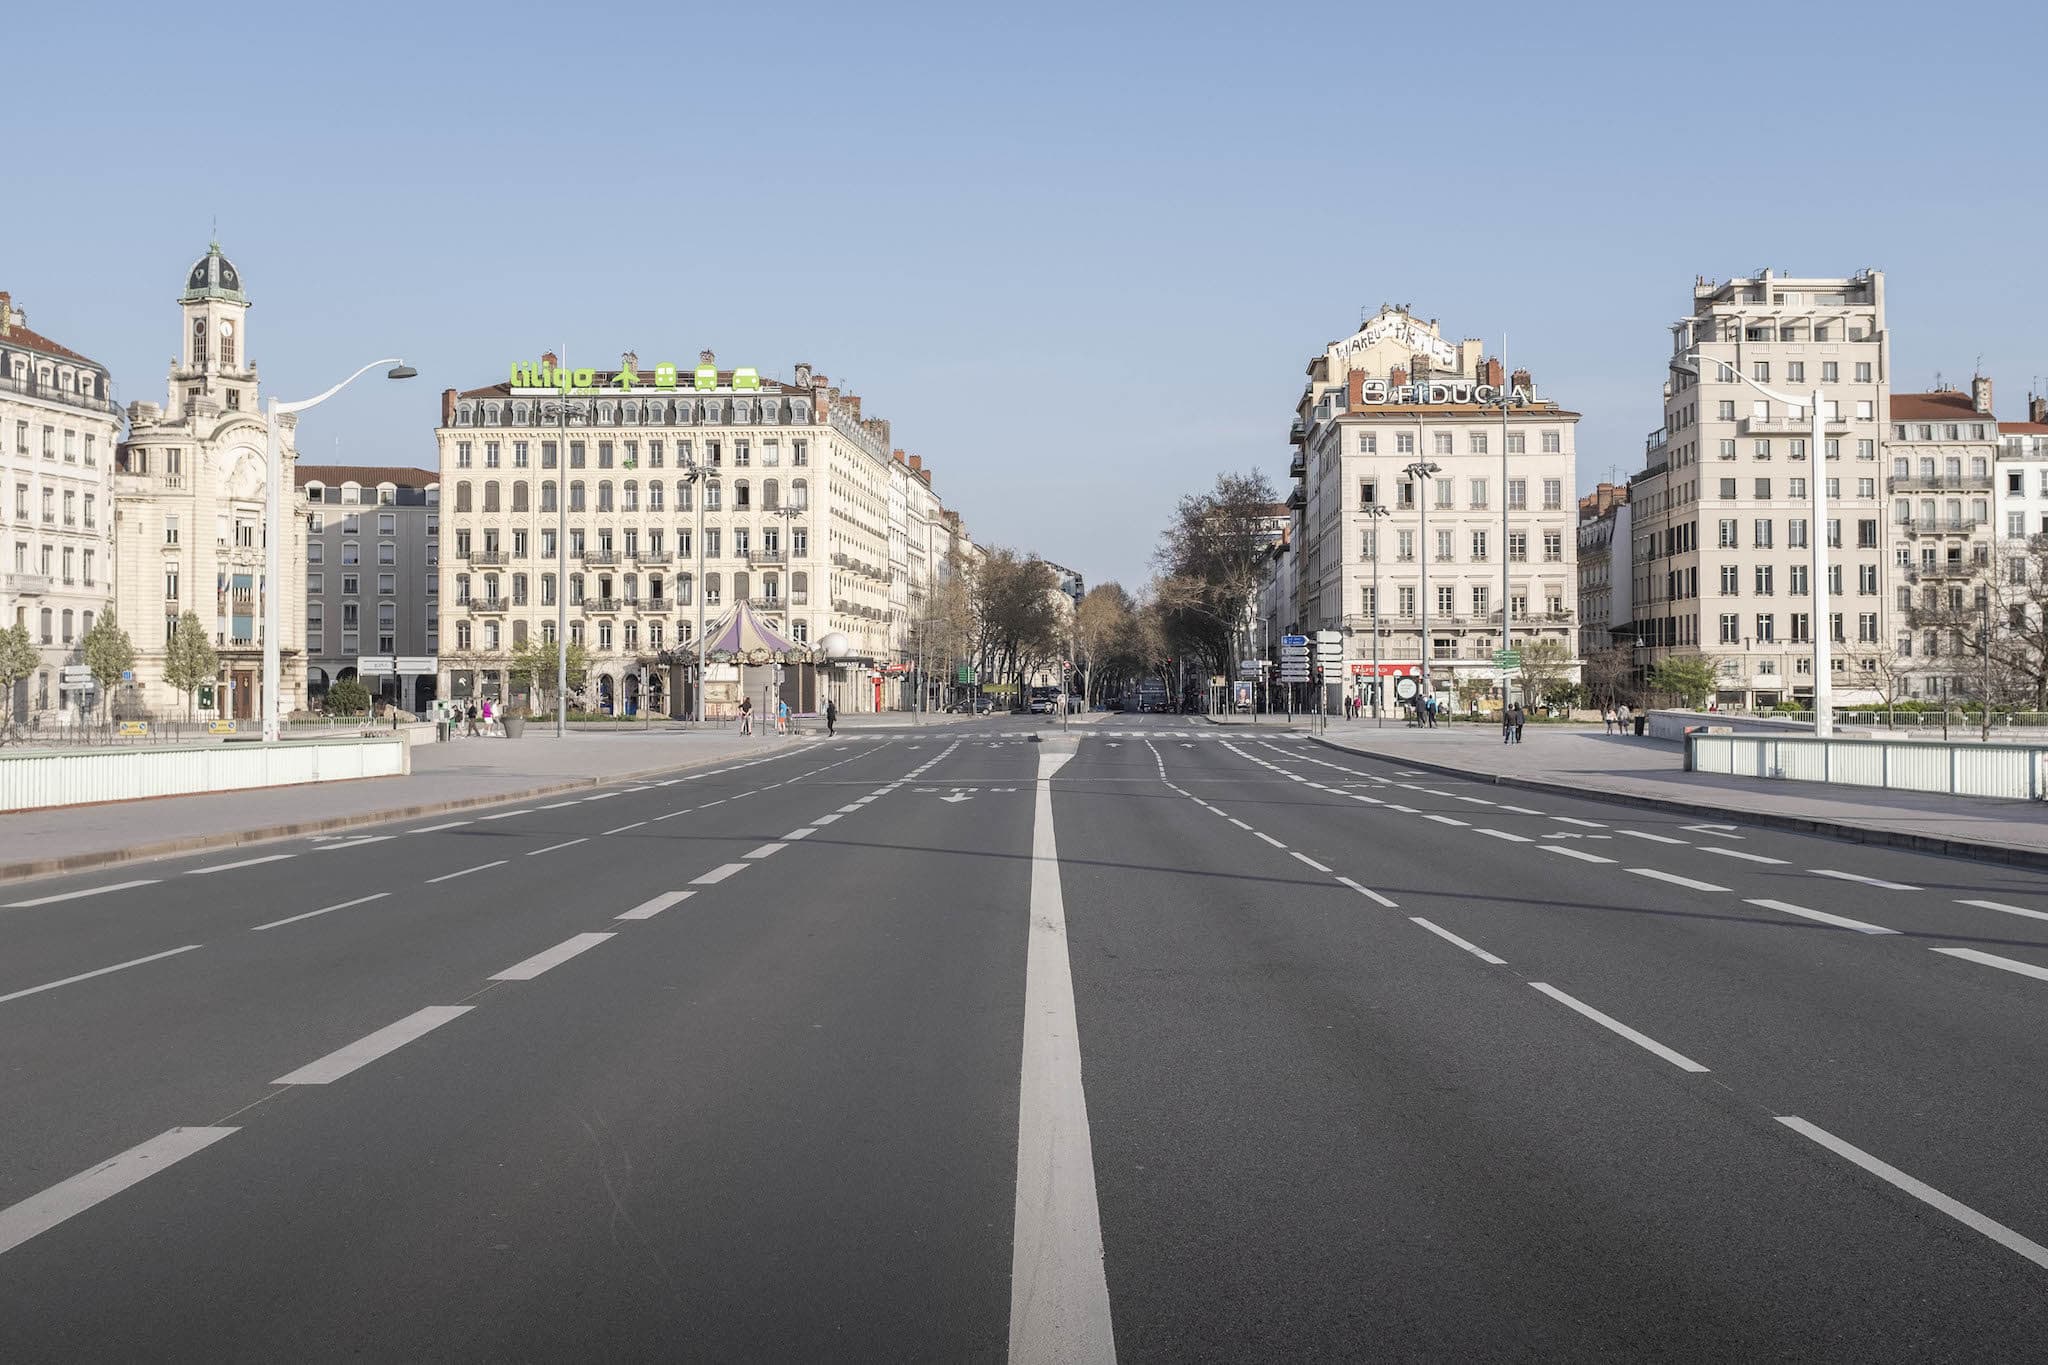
[1766,628]
[351,552]
[1795,532]
[1762,539]
[1443,443]
[1518,495]
[1553,494]
[1728,489]
[1863,372]
[1446,600]
[315,552]
[1518,443]
[1729,535]
[1725,410]
[1477,442]
[1553,442]
[1443,546]
[1763,580]
[1478,494]
[1553,547]
[1404,443]
[1830,372]
[1368,442]
[1760,371]
[1731,580]
[1479,546]
[1368,492]
[1518,546]
[387,584]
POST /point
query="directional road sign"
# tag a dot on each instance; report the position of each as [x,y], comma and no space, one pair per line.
[1507,659]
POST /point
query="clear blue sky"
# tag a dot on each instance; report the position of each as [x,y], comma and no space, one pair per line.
[1077,254]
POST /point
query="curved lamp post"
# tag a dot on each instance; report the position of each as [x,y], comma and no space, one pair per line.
[1421,471]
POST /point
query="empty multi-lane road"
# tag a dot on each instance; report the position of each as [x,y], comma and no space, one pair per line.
[1153,1039]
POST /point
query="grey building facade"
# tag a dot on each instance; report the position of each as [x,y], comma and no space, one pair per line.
[373,540]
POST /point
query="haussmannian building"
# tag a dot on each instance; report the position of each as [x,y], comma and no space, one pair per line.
[373,578]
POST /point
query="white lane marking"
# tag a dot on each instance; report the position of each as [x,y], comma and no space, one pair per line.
[1859,877]
[230,867]
[1059,1296]
[1564,852]
[649,909]
[1822,916]
[863,800]
[1522,810]
[1502,834]
[1720,852]
[1920,1190]
[767,851]
[68,1198]
[1235,821]
[1568,820]
[1405,810]
[719,874]
[796,834]
[668,782]
[1311,862]
[1675,879]
[436,829]
[567,843]
[89,891]
[623,828]
[573,946]
[508,814]
[1653,838]
[1718,831]
[849,808]
[1368,893]
[643,788]
[674,813]
[371,1046]
[826,819]
[601,796]
[325,909]
[2007,909]
[354,843]
[1450,937]
[2004,964]
[719,802]
[1642,1040]
[1476,800]
[1269,839]
[1447,820]
[87,976]
[559,805]
[480,867]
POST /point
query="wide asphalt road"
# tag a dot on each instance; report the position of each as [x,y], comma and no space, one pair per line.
[1148,1040]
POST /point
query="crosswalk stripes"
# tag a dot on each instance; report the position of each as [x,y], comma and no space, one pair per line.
[1185,735]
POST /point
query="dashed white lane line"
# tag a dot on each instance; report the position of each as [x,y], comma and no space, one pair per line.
[1269,838]
[806,832]
[1859,877]
[1239,823]
[674,813]
[623,828]
[1821,916]
[508,814]
[230,867]
[767,851]
[68,1198]
[323,910]
[1737,853]
[1447,820]
[573,946]
[1675,879]
[371,1046]
[1521,810]
[354,843]
[566,843]
[559,805]
[1466,944]
[1568,820]
[1502,834]
[1641,1040]
[827,819]
[436,829]
[451,876]
[719,874]
[1920,1190]
[1368,893]
[1564,852]
[77,895]
[1310,861]
[102,971]
[2002,907]
[1476,800]
[1653,838]
[649,909]
[1405,810]
[668,782]
[643,788]
[2004,964]
[601,796]
[849,808]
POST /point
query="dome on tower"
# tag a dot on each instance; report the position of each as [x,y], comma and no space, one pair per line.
[213,276]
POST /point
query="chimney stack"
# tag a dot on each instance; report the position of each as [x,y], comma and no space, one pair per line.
[2037,410]
[447,407]
[1492,375]
[706,358]
[1397,376]
[917,462]
[630,361]
[1521,378]
[6,312]
[1980,394]
[547,358]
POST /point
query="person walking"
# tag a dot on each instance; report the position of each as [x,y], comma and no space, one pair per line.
[746,715]
[782,717]
[469,714]
[1623,717]
[1431,703]
[831,718]
[1521,717]
[1607,719]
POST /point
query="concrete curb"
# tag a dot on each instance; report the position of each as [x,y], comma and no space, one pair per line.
[1797,824]
[81,862]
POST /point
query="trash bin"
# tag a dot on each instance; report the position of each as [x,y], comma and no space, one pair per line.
[444,731]
[1642,726]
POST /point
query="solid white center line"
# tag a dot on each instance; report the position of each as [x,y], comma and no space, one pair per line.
[40,1212]
[1925,1193]
[505,814]
[1311,862]
[75,895]
[87,976]
[649,909]
[1653,838]
[2004,964]
[229,867]
[480,867]
[1720,852]
[371,1046]
[325,909]
[623,828]
[2008,909]
[1859,877]
[436,829]
[718,874]
[1269,839]
[1568,820]
[767,851]
[1677,1059]
[1564,852]
[1450,937]
[567,843]
[1675,879]
[1446,820]
[1367,892]
[1502,834]
[554,957]
[1821,916]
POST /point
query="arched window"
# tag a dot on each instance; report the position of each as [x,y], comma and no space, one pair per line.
[770,495]
[712,595]
[547,496]
[631,497]
[740,584]
[654,496]
[576,495]
[771,587]
[518,633]
[742,496]
[462,496]
[799,493]
[604,495]
[686,589]
[683,497]
[491,495]
[490,587]
[632,587]
[712,499]
[519,497]
[799,588]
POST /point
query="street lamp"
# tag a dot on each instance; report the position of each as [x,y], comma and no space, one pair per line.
[1421,471]
[1375,514]
[273,530]
[562,567]
[695,476]
[1817,537]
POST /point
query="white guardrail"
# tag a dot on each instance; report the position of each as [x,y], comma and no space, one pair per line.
[38,779]
[2016,772]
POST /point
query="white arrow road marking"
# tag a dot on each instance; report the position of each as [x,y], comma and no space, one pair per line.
[957,797]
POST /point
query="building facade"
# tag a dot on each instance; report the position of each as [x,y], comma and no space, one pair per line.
[2020,502]
[1939,449]
[59,427]
[189,497]
[1474,469]
[373,578]
[1605,616]
[1722,545]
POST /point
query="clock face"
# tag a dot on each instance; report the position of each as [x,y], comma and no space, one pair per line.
[227,329]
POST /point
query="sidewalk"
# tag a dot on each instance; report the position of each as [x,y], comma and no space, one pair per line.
[1581,760]
[445,777]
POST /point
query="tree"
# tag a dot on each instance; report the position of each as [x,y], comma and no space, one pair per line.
[18,659]
[533,666]
[190,660]
[108,654]
[1546,668]
[1989,630]
[1610,676]
[1210,559]
[348,697]
[1691,678]
[1017,620]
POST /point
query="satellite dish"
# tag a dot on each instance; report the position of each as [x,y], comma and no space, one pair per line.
[835,646]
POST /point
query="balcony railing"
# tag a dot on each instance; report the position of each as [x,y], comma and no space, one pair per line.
[600,557]
[765,557]
[651,556]
[607,604]
[27,584]
[487,558]
[488,606]
[1927,526]
[50,393]
[1917,484]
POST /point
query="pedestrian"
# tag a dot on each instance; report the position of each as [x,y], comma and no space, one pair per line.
[1623,718]
[782,717]
[746,715]
[487,715]
[1607,719]
[1507,723]
[831,718]
[1431,703]
[1521,717]
[470,714]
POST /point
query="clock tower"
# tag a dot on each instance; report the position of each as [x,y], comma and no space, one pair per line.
[213,365]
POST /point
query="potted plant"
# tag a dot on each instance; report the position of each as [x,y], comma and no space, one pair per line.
[514,720]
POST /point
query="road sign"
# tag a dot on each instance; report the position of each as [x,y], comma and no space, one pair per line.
[75,673]
[1406,688]
[1294,641]
[205,696]
[1507,659]
[373,665]
[127,675]
[966,675]
[1249,668]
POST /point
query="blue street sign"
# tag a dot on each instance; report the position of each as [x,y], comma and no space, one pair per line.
[1296,640]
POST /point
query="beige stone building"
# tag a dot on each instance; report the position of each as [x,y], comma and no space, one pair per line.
[1397,394]
[189,509]
[1940,450]
[58,430]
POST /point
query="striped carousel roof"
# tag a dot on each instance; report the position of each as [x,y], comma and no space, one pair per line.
[742,636]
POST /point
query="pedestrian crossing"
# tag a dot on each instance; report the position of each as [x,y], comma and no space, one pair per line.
[1093,732]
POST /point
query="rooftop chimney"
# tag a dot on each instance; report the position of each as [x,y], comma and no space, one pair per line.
[1492,375]
[1397,376]
[448,405]
[917,462]
[548,359]
[1980,394]
[2037,410]
[6,312]
[706,358]
[1521,378]
[630,361]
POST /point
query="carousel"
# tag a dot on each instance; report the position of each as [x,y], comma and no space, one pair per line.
[743,656]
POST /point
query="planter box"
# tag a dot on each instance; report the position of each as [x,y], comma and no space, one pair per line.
[515,726]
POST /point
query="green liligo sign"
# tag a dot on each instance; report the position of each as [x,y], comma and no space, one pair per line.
[667,379]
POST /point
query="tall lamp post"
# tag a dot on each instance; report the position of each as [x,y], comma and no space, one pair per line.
[562,568]
[789,512]
[1817,535]
[694,476]
[1421,471]
[1375,514]
[273,529]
